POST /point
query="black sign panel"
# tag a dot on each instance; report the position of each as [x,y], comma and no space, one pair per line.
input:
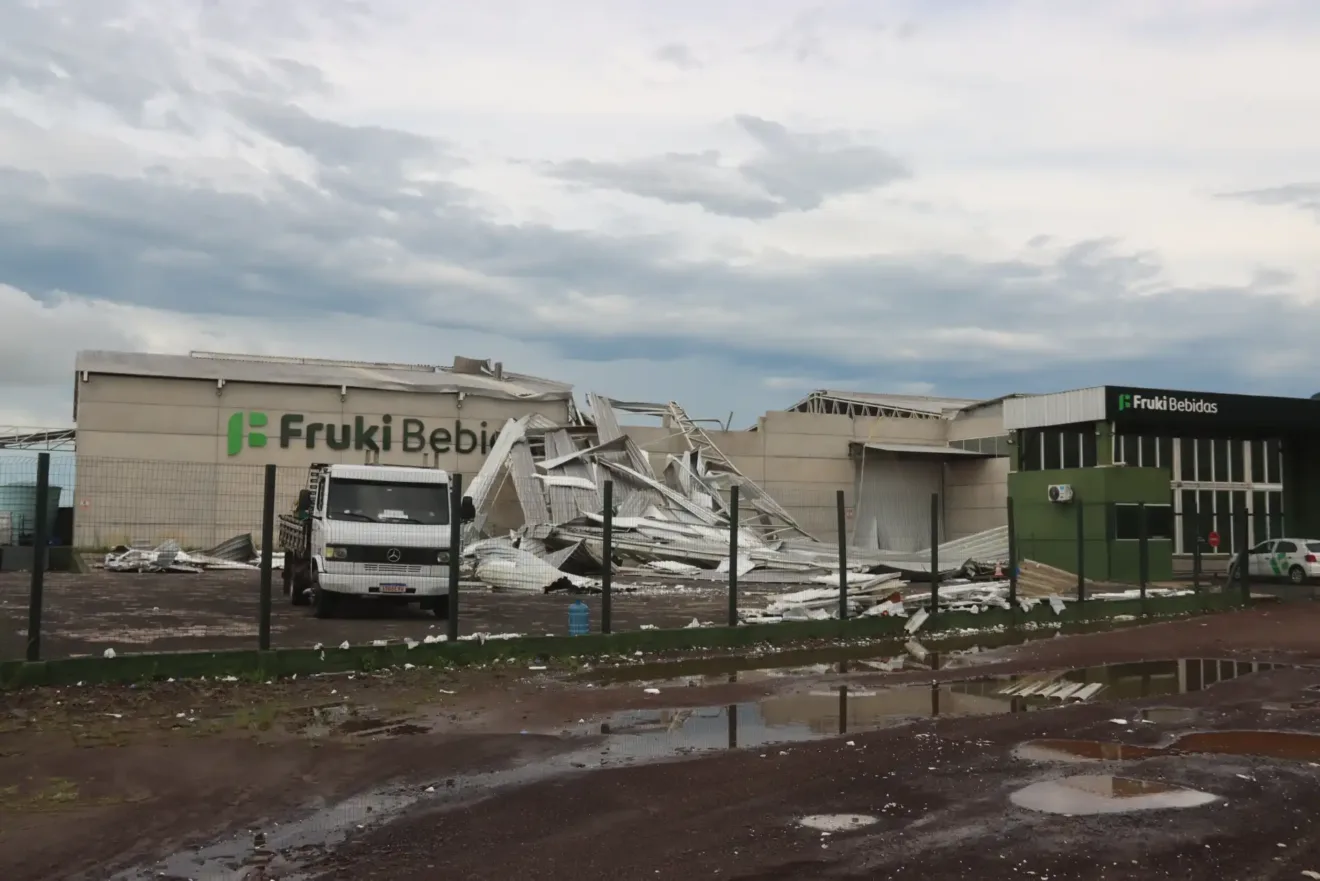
[1165,410]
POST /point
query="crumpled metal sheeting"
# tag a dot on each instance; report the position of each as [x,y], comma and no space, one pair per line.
[505,567]
[169,557]
[569,502]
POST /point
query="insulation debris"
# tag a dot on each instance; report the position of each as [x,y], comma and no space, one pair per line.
[238,553]
[675,522]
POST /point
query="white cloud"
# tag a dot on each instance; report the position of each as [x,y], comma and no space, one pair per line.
[970,197]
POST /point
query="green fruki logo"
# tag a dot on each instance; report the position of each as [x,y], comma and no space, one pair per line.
[236,433]
[1124,402]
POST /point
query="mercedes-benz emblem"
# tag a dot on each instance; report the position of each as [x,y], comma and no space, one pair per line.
[394,555]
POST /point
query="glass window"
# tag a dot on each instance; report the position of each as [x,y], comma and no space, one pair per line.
[1263,547]
[1273,462]
[1052,457]
[1072,449]
[1189,532]
[1148,451]
[1030,443]
[1257,461]
[1274,501]
[1224,519]
[1089,454]
[1235,461]
[372,502]
[1260,519]
[1127,521]
[1313,547]
[1187,458]
[1164,452]
[1203,471]
[1285,547]
[1220,447]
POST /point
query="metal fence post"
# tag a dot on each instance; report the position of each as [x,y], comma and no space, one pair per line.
[455,550]
[267,543]
[1143,550]
[1244,550]
[841,515]
[1081,553]
[733,555]
[1012,558]
[934,553]
[40,538]
[607,554]
[1196,540]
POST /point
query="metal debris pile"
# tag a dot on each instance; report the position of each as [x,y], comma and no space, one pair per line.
[238,552]
[676,521]
[887,595]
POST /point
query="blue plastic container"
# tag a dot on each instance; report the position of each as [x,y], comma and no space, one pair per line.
[579,618]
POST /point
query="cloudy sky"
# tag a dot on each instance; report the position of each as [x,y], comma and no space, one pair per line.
[727,203]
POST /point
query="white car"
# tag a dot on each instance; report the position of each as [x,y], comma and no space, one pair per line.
[1296,559]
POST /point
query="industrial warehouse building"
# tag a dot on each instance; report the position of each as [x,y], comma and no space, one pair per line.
[170,447]
[167,445]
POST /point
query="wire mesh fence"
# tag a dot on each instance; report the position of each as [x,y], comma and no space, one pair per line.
[159,556]
[177,556]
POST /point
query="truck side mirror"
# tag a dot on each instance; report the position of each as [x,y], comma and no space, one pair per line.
[304,501]
[467,512]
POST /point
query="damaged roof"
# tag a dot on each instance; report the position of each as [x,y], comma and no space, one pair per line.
[468,375]
[819,401]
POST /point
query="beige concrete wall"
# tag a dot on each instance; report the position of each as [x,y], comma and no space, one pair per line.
[801,459]
[975,496]
[986,421]
[153,460]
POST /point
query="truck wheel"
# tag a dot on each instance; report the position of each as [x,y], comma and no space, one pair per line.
[1297,575]
[441,607]
[325,604]
[299,595]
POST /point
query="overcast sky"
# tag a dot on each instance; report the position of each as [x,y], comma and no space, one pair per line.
[726,203]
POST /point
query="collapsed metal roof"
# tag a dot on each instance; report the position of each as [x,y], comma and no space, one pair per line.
[472,376]
[845,403]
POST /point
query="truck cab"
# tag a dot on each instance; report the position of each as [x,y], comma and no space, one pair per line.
[380,532]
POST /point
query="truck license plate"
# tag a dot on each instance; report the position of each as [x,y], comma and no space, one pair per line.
[393,588]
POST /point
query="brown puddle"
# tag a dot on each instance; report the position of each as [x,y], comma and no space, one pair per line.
[1258,744]
[1086,794]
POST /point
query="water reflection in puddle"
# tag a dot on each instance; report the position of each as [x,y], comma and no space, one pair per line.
[1290,745]
[1088,794]
[790,718]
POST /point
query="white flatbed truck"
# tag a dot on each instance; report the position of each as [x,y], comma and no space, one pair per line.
[379,532]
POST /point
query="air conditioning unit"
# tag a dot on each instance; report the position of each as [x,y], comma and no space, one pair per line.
[1061,492]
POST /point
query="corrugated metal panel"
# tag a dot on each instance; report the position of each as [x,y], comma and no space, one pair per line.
[436,380]
[923,449]
[893,503]
[1060,408]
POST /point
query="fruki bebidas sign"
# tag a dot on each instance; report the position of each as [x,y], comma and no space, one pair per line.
[251,429]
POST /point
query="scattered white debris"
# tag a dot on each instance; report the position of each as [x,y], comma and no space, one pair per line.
[410,643]
[914,623]
[651,690]
[837,822]
[537,668]
[344,644]
[379,643]
[109,653]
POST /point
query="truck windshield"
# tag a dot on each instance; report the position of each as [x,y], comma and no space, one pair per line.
[368,502]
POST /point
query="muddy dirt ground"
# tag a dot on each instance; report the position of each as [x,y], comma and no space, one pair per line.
[86,614]
[584,773]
